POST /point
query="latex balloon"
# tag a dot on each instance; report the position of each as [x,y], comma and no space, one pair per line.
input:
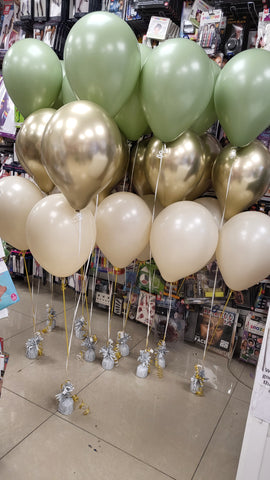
[250,176]
[32,74]
[17,197]
[183,239]
[67,93]
[123,227]
[137,171]
[155,208]
[102,60]
[119,173]
[176,86]
[59,238]
[145,53]
[208,116]
[211,148]
[81,150]
[242,96]
[28,147]
[241,251]
[213,206]
[181,169]
[131,119]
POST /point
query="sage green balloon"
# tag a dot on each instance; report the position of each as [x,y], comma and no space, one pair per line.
[242,97]
[208,116]
[32,74]
[176,86]
[131,119]
[67,92]
[102,60]
[145,52]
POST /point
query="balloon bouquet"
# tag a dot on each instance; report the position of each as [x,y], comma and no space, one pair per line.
[111,90]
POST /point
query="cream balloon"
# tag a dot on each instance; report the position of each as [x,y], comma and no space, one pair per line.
[211,148]
[183,239]
[17,198]
[123,227]
[28,147]
[181,169]
[60,238]
[155,207]
[243,250]
[213,206]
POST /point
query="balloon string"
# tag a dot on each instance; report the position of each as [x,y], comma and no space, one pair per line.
[226,197]
[134,161]
[84,296]
[168,313]
[220,317]
[30,291]
[63,287]
[217,268]
[129,296]
[109,309]
[79,216]
[160,155]
[211,314]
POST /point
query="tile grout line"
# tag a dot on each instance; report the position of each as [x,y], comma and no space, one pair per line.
[112,445]
[28,435]
[28,400]
[213,433]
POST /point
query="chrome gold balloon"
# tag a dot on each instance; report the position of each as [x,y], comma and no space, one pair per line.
[136,168]
[250,176]
[81,150]
[182,167]
[211,150]
[28,147]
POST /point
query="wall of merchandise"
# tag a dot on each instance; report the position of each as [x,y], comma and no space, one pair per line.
[223,29]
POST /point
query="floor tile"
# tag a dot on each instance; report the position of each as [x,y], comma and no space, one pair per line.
[221,458]
[59,450]
[18,418]
[157,420]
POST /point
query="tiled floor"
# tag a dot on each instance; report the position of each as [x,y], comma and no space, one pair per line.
[143,429]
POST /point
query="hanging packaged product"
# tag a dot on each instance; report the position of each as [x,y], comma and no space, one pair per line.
[252,337]
[8,292]
[209,31]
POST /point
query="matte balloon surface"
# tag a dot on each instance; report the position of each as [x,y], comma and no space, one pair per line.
[183,239]
[248,169]
[131,118]
[213,206]
[102,60]
[243,250]
[81,150]
[123,227]
[176,86]
[242,96]
[32,74]
[59,238]
[155,208]
[28,147]
[209,115]
[181,170]
[17,197]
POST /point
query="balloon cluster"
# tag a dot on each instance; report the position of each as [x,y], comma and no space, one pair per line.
[79,113]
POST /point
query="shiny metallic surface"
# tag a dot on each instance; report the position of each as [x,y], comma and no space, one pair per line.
[250,176]
[182,167]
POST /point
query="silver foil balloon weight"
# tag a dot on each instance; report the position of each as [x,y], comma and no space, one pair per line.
[51,320]
[66,402]
[144,366]
[33,346]
[122,339]
[197,380]
[110,357]
[160,353]
[79,328]
[89,346]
